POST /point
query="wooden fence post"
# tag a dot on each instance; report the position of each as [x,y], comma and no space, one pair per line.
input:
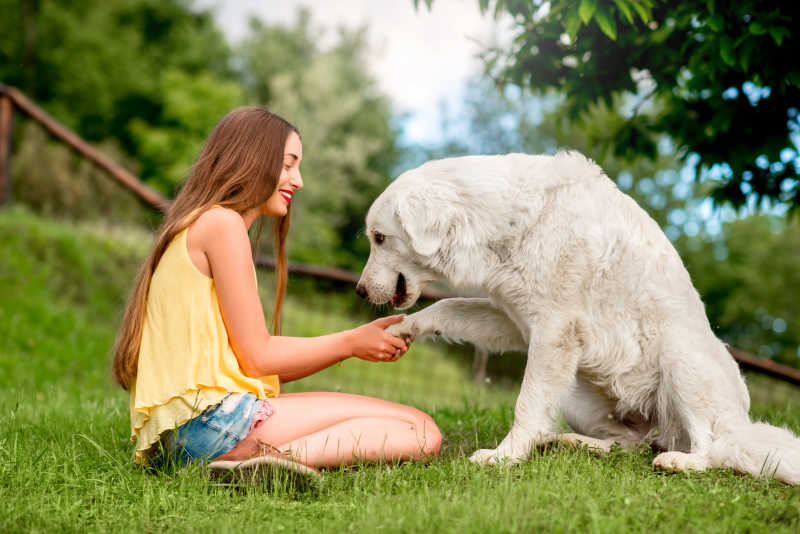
[6,138]
[479,363]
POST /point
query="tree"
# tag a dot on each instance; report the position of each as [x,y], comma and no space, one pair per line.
[97,65]
[722,79]
[191,105]
[153,77]
[350,142]
[748,276]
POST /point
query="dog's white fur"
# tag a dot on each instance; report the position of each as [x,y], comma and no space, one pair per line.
[580,277]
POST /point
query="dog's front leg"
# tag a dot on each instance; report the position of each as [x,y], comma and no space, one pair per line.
[550,372]
[470,320]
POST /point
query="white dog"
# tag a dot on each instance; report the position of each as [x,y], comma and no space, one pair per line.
[580,277]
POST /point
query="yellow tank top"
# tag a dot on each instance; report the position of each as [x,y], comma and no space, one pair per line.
[185,361]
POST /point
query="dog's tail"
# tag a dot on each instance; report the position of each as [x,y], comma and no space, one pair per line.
[761,450]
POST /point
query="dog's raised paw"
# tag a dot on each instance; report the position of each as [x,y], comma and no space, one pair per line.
[405,328]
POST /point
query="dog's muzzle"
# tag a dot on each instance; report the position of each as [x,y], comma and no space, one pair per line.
[399,290]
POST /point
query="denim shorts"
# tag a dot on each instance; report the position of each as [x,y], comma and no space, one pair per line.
[215,431]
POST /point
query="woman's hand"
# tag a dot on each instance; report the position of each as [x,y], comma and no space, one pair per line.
[371,342]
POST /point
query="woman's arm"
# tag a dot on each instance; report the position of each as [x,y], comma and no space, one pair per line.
[222,235]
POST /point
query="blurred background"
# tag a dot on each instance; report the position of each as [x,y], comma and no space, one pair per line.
[690,107]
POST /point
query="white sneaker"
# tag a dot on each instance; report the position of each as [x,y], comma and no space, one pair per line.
[265,467]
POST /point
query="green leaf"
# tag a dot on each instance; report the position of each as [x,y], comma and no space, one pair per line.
[499,7]
[625,10]
[756,28]
[586,10]
[557,8]
[716,22]
[572,23]
[794,77]
[484,5]
[607,24]
[726,51]
[643,9]
[710,5]
[778,33]
[745,54]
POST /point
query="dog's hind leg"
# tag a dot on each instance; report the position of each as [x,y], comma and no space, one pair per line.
[598,446]
[696,428]
[693,392]
[471,320]
[713,409]
[588,411]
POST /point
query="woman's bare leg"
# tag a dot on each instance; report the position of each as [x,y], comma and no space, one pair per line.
[330,429]
[363,439]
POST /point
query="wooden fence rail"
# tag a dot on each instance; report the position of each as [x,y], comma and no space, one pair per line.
[11,98]
[61,132]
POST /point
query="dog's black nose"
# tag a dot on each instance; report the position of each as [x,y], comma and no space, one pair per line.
[361,291]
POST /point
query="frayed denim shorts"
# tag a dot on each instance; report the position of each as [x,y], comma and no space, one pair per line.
[215,431]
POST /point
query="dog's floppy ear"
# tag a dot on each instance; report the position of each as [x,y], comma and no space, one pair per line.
[425,227]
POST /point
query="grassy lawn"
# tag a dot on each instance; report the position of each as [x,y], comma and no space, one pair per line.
[65,458]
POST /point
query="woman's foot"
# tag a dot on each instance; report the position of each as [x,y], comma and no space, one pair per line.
[262,462]
[244,450]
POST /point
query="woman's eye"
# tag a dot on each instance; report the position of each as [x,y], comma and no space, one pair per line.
[379,237]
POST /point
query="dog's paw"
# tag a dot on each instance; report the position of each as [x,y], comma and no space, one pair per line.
[494,457]
[484,456]
[680,461]
[406,328]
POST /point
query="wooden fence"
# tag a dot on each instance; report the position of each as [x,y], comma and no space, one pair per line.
[12,99]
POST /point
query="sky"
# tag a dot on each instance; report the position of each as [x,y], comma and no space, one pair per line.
[420,58]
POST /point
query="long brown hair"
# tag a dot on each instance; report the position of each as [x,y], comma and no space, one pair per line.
[238,168]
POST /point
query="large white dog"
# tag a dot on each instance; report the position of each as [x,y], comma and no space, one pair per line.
[580,277]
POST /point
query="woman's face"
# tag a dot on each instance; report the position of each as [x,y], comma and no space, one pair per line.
[290,181]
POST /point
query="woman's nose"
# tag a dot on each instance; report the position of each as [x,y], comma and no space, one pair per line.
[297,181]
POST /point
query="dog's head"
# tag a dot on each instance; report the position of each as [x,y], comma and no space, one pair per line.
[397,269]
[416,229]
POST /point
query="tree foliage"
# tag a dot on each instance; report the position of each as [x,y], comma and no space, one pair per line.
[722,79]
[191,105]
[153,77]
[349,140]
[748,276]
[97,64]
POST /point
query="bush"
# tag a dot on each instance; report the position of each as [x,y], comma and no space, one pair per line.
[49,178]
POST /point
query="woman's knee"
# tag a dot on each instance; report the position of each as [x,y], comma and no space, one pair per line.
[433,441]
[429,432]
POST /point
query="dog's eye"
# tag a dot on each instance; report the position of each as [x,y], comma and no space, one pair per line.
[379,237]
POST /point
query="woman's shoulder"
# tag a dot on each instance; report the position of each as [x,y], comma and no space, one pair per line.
[219,220]
[218,226]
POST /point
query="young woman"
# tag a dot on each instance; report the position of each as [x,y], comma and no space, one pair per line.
[194,352]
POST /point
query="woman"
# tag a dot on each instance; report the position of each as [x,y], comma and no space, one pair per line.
[194,351]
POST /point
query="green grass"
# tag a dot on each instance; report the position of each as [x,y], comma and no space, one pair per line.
[65,458]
